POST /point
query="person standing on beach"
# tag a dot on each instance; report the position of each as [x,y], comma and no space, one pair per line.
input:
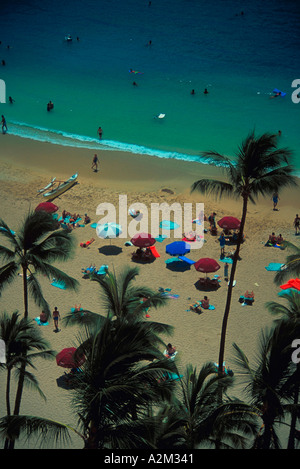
[297,224]
[222,244]
[95,163]
[275,199]
[4,126]
[56,317]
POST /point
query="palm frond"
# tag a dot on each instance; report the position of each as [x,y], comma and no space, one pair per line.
[7,273]
[35,427]
[6,232]
[213,187]
[35,227]
[58,245]
[35,291]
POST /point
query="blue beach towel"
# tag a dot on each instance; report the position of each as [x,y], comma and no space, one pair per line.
[160,238]
[38,321]
[274,266]
[186,259]
[227,260]
[57,284]
[288,291]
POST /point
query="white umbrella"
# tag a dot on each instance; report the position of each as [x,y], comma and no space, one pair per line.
[108,230]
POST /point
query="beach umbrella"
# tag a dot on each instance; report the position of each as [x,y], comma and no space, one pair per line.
[229,223]
[48,207]
[178,248]
[143,240]
[66,358]
[292,283]
[206,265]
[108,230]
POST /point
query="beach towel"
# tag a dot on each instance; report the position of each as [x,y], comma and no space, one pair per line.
[103,270]
[160,238]
[154,251]
[188,240]
[288,291]
[172,259]
[273,266]
[186,259]
[40,323]
[57,284]
[227,260]
[168,225]
[93,225]
[170,295]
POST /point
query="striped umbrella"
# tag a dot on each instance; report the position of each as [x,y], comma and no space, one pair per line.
[108,230]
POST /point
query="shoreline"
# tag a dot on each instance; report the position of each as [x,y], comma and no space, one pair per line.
[133,172]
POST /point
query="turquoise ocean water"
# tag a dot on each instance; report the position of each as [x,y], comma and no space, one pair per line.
[239,58]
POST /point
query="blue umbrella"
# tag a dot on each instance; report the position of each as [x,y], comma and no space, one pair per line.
[178,248]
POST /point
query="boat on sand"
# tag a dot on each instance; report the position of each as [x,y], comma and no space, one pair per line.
[61,188]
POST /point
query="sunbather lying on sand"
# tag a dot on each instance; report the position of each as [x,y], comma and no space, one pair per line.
[87,243]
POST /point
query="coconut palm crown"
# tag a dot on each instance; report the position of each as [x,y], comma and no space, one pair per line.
[32,250]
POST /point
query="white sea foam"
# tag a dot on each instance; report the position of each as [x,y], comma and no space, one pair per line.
[62,138]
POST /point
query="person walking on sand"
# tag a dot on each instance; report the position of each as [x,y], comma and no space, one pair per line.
[56,317]
[3,123]
[222,244]
[297,224]
[95,163]
[275,199]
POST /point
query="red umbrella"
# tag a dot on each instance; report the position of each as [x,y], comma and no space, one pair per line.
[229,223]
[48,207]
[66,358]
[206,265]
[143,240]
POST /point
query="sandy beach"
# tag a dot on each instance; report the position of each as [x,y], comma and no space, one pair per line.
[26,166]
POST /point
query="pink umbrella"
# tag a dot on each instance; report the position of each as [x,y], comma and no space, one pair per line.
[206,265]
[229,223]
[143,240]
[48,207]
[66,358]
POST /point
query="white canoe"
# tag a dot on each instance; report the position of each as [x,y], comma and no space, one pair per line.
[48,186]
[61,188]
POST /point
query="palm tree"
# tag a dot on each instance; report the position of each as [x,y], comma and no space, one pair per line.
[123,376]
[271,381]
[19,336]
[260,168]
[290,313]
[196,418]
[122,301]
[33,249]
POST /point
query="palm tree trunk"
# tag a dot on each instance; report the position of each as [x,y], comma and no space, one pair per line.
[8,391]
[230,287]
[23,366]
[25,290]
